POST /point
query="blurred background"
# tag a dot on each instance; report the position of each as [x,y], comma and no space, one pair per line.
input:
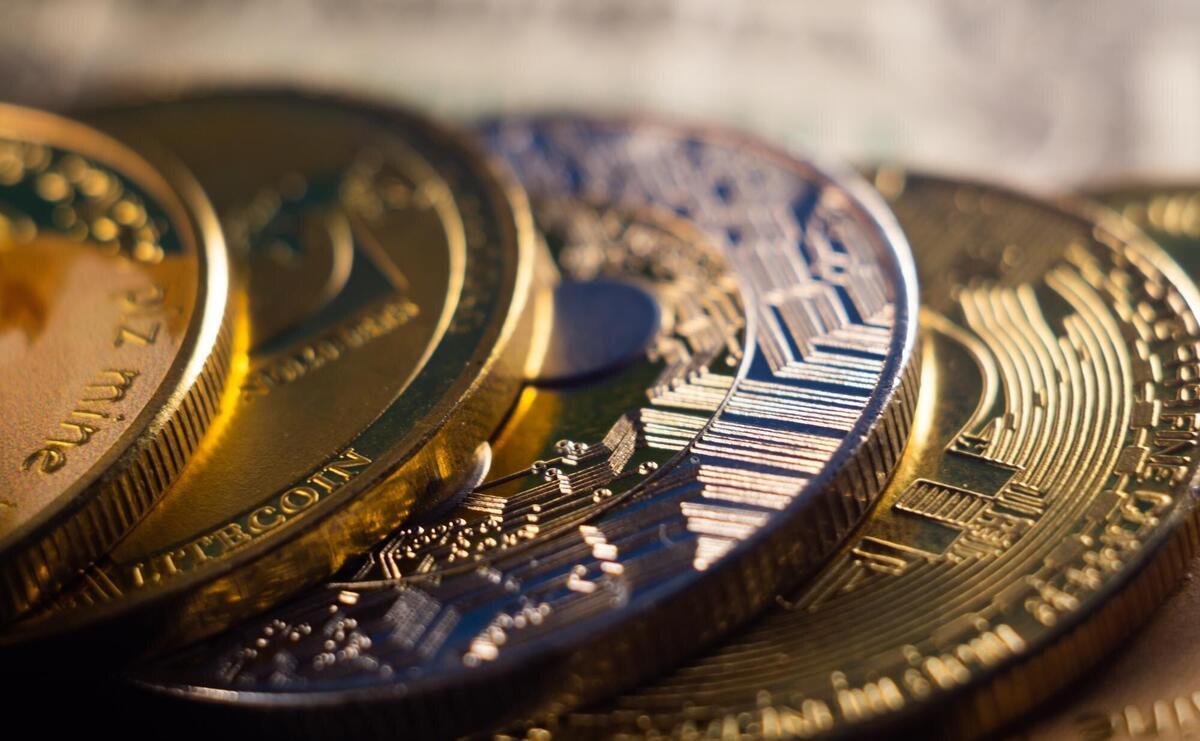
[1037,92]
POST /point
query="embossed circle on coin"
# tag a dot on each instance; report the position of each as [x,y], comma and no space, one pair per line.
[639,512]
[114,343]
[1042,503]
[1151,689]
[388,273]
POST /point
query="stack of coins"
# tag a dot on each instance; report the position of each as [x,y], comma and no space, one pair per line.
[326,418]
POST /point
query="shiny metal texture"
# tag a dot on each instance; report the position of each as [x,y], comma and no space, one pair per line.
[1043,506]
[633,518]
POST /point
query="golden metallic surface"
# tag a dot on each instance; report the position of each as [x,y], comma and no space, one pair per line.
[114,343]
[1041,508]
[1151,687]
[388,271]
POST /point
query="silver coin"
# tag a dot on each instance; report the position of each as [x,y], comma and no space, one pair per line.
[768,403]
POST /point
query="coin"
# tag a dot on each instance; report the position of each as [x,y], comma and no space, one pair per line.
[638,510]
[389,269]
[114,343]
[1048,468]
[1151,689]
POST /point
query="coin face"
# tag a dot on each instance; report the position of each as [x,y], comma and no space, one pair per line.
[1149,688]
[387,273]
[644,499]
[114,344]
[1049,464]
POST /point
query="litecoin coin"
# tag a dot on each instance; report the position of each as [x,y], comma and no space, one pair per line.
[1152,688]
[1041,505]
[388,272]
[727,386]
[114,343]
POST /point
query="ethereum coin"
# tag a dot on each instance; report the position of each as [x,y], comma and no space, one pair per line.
[642,501]
[114,343]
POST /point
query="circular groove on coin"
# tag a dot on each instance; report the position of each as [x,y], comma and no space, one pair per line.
[387,337]
[114,343]
[733,457]
[1043,505]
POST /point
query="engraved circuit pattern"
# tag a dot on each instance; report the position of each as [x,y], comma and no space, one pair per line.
[724,445]
[693,356]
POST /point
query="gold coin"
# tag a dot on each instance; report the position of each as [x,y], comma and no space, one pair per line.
[1049,464]
[114,344]
[1151,689]
[388,270]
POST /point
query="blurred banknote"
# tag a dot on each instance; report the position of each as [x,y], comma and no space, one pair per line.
[1042,93]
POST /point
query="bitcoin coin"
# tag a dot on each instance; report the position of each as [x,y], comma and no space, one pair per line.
[388,273]
[1151,689]
[1049,464]
[638,507]
[114,343]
